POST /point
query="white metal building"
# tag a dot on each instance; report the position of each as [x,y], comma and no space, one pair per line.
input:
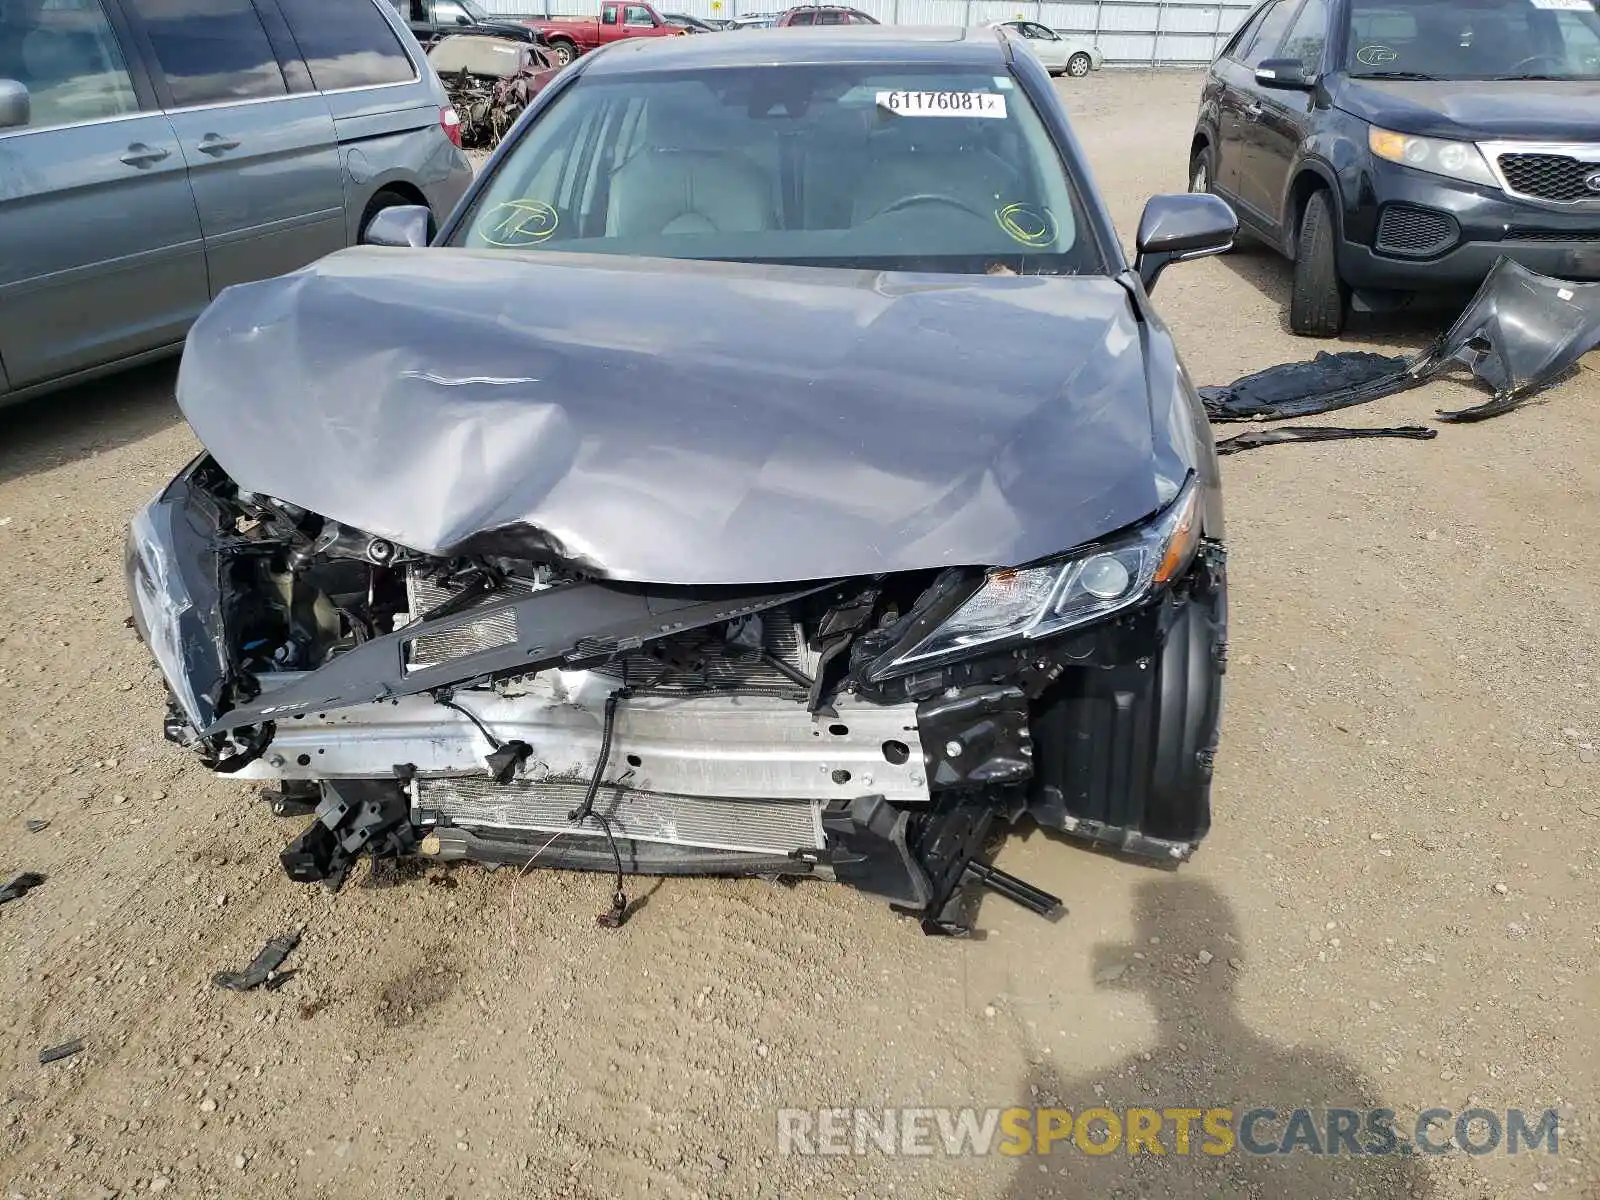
[1143,33]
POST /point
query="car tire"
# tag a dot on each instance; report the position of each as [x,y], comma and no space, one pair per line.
[1202,175]
[1078,65]
[1317,304]
[563,52]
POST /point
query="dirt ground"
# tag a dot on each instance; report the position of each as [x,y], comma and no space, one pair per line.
[1397,907]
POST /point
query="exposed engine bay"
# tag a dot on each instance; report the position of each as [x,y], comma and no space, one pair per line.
[513,710]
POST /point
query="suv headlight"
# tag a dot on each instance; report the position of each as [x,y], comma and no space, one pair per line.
[1457,160]
[1085,586]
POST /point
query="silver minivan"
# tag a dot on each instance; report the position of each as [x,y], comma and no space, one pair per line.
[153,152]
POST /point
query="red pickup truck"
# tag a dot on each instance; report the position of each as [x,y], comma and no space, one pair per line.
[571,36]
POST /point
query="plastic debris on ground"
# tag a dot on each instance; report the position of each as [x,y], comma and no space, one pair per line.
[1522,332]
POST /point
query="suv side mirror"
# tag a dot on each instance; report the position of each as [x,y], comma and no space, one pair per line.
[405,226]
[1179,228]
[1285,74]
[15,107]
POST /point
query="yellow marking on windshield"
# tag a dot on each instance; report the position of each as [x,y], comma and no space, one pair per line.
[1027,223]
[520,223]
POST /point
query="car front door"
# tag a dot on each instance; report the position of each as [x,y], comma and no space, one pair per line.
[1044,42]
[263,159]
[1239,102]
[101,257]
[637,20]
[1285,116]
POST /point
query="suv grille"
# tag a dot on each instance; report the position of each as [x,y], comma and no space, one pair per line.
[1518,234]
[1413,232]
[1557,177]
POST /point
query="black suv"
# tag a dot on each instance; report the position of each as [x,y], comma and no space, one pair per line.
[431,20]
[1395,146]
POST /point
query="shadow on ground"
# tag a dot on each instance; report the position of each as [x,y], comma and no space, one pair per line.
[1207,1056]
[63,427]
[1411,328]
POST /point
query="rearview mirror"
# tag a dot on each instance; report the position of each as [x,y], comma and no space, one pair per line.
[15,107]
[1285,74]
[1179,228]
[403,226]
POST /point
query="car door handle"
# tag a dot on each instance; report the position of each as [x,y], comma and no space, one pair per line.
[140,155]
[215,143]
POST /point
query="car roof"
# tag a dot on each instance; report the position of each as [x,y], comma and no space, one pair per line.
[805,44]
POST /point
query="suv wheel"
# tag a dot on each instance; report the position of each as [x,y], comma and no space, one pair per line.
[1200,174]
[1317,305]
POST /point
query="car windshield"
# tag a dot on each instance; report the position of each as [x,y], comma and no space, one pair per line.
[920,168]
[1478,39]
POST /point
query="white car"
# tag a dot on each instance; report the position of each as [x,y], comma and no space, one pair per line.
[1061,56]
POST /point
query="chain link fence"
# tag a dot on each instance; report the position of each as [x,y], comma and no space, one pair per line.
[1130,33]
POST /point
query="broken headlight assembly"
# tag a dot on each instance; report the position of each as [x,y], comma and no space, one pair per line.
[1087,585]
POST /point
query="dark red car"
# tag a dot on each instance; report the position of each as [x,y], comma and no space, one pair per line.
[824,14]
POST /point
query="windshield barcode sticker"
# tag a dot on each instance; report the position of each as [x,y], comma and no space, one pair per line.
[944,104]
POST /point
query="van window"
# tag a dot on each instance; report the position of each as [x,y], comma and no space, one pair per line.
[346,43]
[211,51]
[69,61]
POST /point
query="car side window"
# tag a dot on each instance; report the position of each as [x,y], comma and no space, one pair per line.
[802,18]
[1269,34]
[1308,35]
[830,17]
[1045,35]
[445,13]
[1243,35]
[69,61]
[347,43]
[636,14]
[211,51]
[608,15]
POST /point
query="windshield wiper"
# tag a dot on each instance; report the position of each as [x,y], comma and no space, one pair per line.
[1399,75]
[1530,78]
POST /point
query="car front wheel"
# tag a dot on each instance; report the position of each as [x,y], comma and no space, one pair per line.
[563,52]
[1200,174]
[1317,305]
[1078,65]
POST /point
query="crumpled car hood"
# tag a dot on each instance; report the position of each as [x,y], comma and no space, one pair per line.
[683,422]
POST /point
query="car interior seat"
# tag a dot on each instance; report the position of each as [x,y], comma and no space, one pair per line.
[690,177]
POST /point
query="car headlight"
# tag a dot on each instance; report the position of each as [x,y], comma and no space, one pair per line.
[1458,160]
[160,604]
[1085,586]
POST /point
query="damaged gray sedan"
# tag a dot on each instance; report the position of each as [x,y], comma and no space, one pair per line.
[774,467]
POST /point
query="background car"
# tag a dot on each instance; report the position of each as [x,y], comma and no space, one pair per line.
[823,14]
[153,158]
[1397,147]
[690,24]
[1060,55]
[431,20]
[618,22]
[753,21]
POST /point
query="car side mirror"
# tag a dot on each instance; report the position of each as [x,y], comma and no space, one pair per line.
[15,107]
[1285,74]
[403,226]
[1179,228]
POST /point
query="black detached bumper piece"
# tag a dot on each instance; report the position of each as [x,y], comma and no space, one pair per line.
[1409,230]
